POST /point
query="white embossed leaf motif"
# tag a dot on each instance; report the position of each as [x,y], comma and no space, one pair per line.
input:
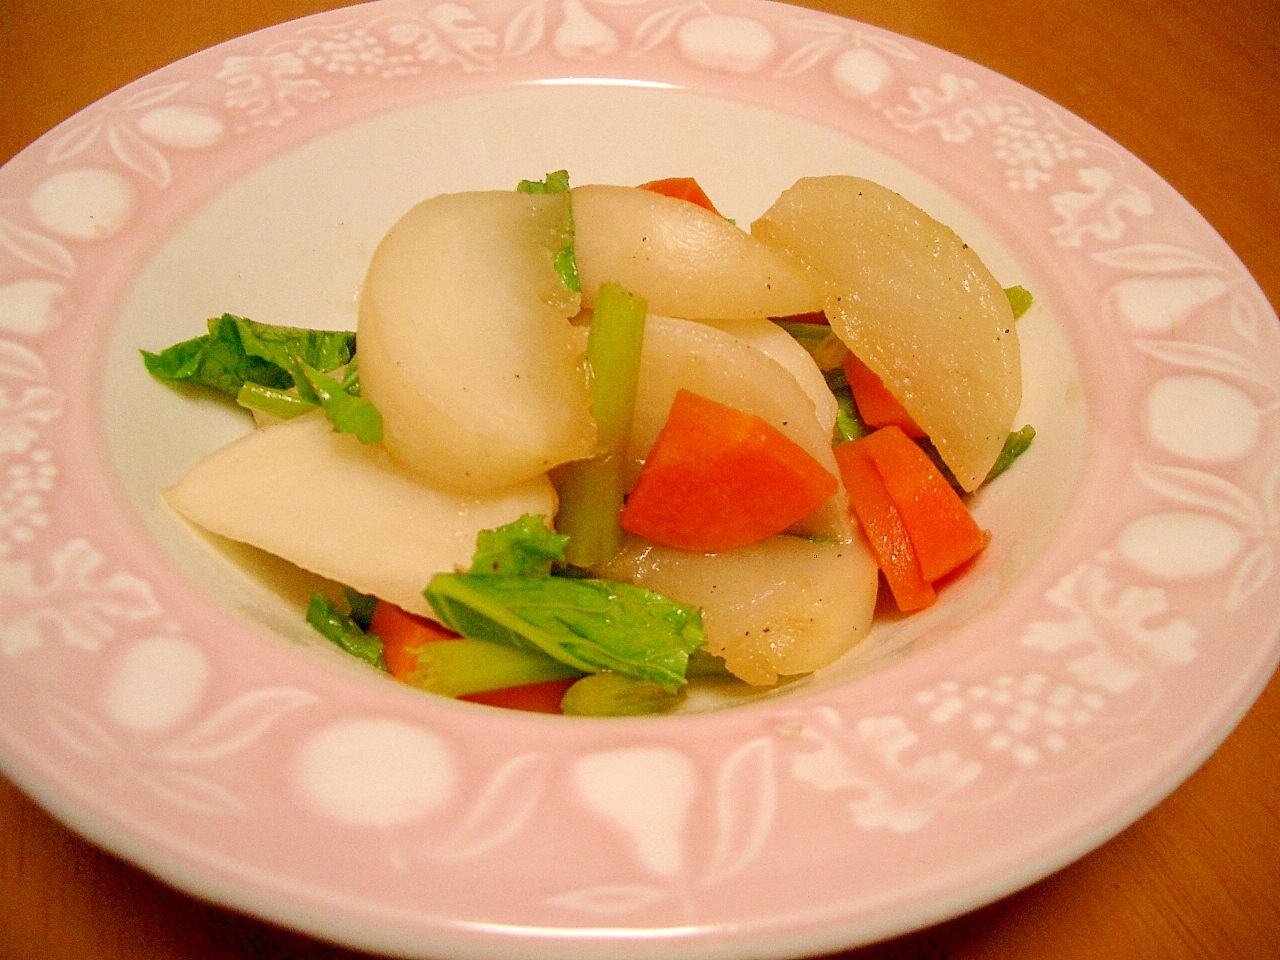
[1103,615]
[235,725]
[76,603]
[506,805]
[889,791]
[646,793]
[525,30]
[746,803]
[37,250]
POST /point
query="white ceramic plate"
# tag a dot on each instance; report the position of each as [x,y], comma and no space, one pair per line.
[166,700]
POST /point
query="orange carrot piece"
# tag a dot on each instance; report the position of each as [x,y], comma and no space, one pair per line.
[718,478]
[944,533]
[402,633]
[532,697]
[681,188]
[882,523]
[876,405]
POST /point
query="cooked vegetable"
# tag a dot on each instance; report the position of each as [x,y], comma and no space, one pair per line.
[876,405]
[941,529]
[588,624]
[682,188]
[717,478]
[886,533]
[531,697]
[681,354]
[1015,446]
[784,606]
[591,491]
[426,655]
[329,504]
[776,344]
[472,277]
[237,351]
[342,629]
[916,304]
[616,695]
[686,261]
[565,264]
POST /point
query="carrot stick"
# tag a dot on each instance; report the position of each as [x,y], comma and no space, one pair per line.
[532,697]
[718,478]
[682,188]
[941,528]
[876,405]
[402,633]
[882,523]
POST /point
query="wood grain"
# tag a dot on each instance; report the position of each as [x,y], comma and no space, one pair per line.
[1191,88]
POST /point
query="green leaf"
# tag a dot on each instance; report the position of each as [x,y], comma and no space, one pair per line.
[524,547]
[324,615]
[361,605]
[566,266]
[237,351]
[590,625]
[348,414]
[1015,445]
[322,350]
[217,360]
[557,182]
[1020,300]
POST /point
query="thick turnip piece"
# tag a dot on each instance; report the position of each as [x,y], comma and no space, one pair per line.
[719,366]
[465,344]
[685,260]
[777,344]
[332,505]
[783,606]
[916,305]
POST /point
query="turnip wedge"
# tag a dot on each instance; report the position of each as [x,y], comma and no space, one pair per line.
[465,343]
[912,301]
[783,606]
[332,505]
[686,261]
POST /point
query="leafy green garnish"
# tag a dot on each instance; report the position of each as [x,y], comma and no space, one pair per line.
[1015,445]
[590,625]
[344,630]
[524,547]
[557,182]
[348,414]
[849,423]
[1020,300]
[361,605]
[282,371]
[566,266]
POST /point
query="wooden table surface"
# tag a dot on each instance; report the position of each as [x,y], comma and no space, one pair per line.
[1192,88]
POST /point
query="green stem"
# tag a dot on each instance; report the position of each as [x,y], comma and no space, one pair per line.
[591,491]
[455,668]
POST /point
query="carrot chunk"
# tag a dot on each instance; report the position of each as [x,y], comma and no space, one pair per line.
[402,633]
[883,524]
[876,405]
[718,478]
[532,697]
[941,528]
[682,188]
